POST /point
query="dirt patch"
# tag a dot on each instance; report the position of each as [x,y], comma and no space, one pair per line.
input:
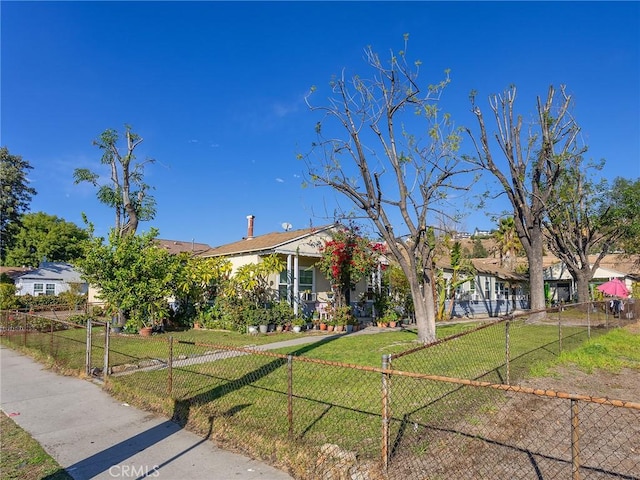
[516,435]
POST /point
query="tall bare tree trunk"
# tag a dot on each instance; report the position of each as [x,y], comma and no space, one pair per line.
[425,310]
[536,275]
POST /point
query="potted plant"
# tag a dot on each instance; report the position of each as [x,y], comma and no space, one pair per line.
[298,323]
[351,325]
[390,317]
[342,316]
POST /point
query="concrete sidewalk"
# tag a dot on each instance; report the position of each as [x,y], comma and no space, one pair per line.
[93,436]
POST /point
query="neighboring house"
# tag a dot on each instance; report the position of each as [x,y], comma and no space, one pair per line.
[562,287]
[494,290]
[300,282]
[50,279]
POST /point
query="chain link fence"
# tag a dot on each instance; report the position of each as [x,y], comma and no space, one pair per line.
[460,407]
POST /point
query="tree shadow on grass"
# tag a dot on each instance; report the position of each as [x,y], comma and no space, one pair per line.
[182,407]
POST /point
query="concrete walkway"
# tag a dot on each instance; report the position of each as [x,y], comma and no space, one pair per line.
[93,436]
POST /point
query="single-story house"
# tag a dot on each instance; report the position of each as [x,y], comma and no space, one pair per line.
[50,278]
[301,282]
[493,290]
[562,287]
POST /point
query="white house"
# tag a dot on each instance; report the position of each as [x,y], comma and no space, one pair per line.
[562,288]
[50,279]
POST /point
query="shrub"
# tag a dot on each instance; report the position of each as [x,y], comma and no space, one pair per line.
[8,298]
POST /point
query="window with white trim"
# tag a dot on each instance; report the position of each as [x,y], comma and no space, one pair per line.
[305,283]
[50,289]
[38,289]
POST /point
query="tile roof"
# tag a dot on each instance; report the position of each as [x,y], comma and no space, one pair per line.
[492,266]
[263,243]
[177,246]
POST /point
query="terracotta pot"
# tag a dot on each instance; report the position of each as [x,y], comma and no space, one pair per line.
[329,328]
[146,331]
[323,326]
[339,328]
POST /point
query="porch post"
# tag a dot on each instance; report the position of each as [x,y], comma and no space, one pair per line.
[296,285]
[289,281]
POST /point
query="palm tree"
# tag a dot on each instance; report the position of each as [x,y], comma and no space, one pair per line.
[507,242]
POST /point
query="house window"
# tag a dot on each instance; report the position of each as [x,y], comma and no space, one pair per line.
[487,289]
[51,289]
[500,290]
[283,286]
[305,282]
[38,289]
[305,279]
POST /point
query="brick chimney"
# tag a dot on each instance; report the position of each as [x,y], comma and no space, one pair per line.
[250,226]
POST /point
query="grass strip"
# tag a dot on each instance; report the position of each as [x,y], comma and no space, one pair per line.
[22,457]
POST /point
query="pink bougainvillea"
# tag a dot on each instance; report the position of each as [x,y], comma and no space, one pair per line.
[348,257]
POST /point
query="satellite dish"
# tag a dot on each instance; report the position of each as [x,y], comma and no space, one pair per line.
[286,226]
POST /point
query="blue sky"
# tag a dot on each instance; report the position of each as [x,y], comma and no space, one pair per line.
[216,89]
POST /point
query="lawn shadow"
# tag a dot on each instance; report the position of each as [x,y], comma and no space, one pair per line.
[182,408]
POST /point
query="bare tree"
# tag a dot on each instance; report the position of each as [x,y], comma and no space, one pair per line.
[397,179]
[535,160]
[127,193]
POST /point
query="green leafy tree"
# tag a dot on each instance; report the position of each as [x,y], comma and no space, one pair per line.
[45,236]
[399,289]
[479,250]
[624,197]
[587,217]
[134,276]
[15,197]
[388,172]
[533,161]
[346,259]
[126,192]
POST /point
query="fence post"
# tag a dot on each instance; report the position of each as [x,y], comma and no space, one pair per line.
[51,337]
[559,332]
[575,437]
[107,333]
[87,360]
[170,367]
[507,352]
[386,361]
[24,331]
[290,393]
[590,306]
